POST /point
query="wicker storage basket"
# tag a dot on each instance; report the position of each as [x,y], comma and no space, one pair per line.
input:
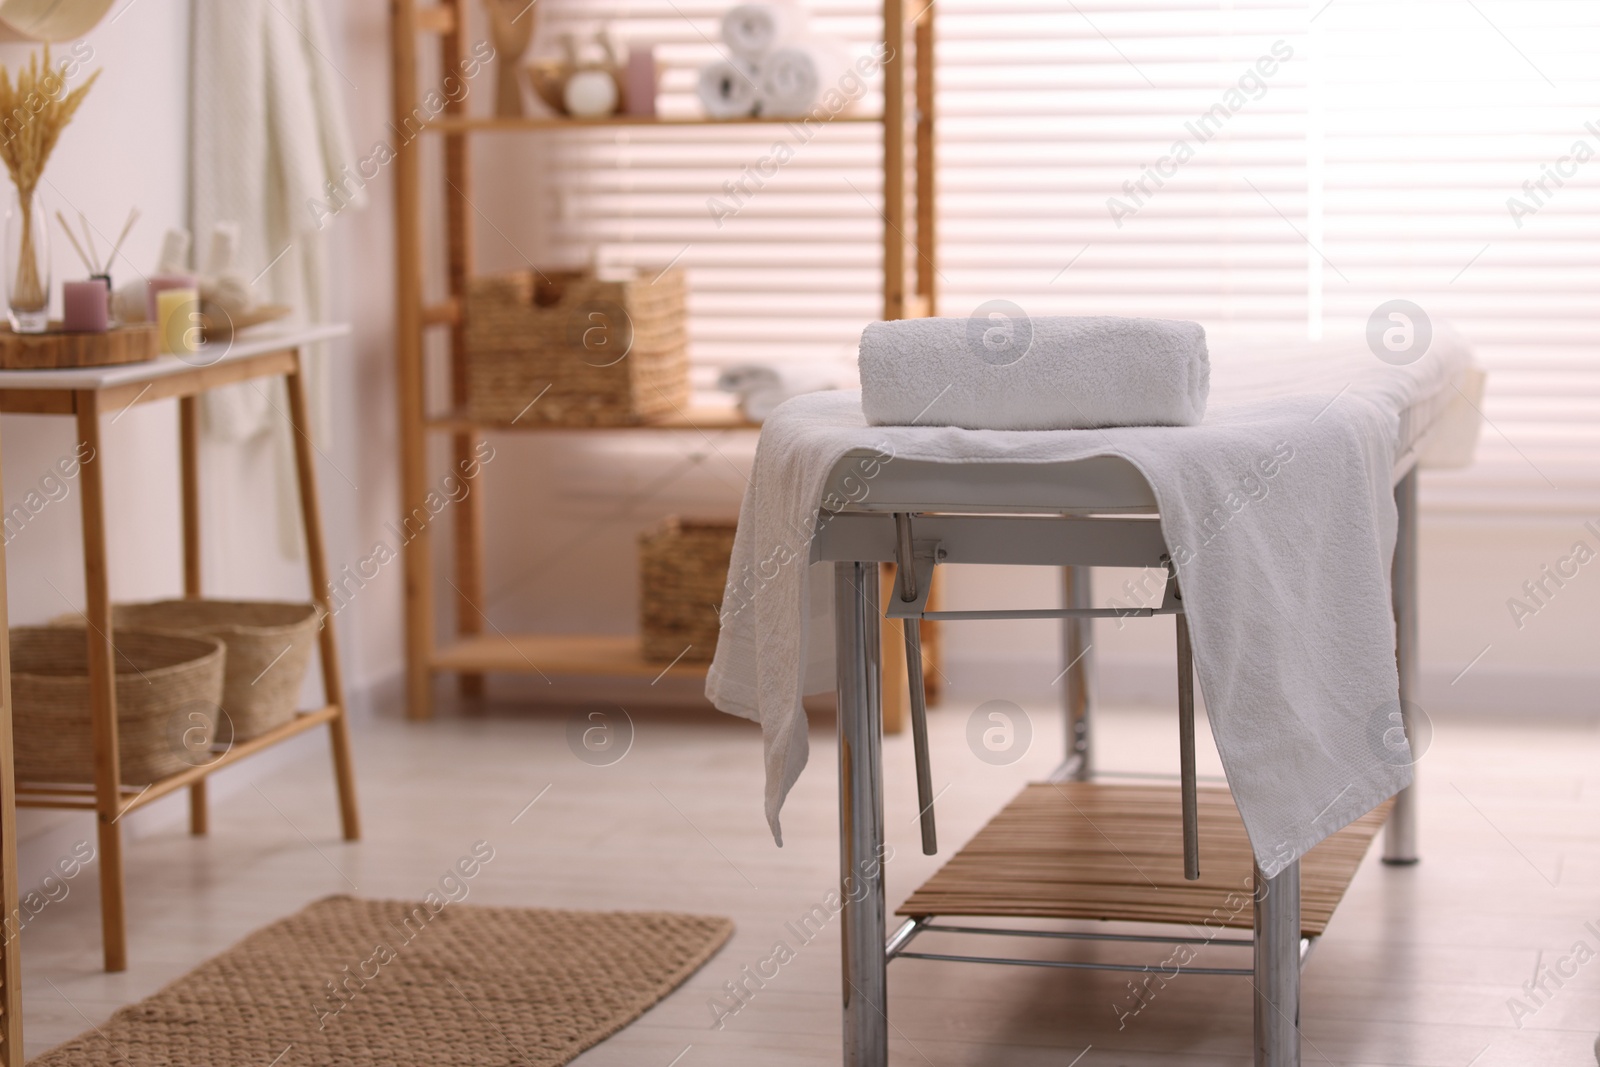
[683,572]
[168,684]
[269,646]
[591,352]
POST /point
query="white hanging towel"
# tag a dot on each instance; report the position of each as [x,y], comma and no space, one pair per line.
[269,145]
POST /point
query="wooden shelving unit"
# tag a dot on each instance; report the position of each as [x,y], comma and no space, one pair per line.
[908,291]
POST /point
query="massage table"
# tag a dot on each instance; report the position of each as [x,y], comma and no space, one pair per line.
[1093,512]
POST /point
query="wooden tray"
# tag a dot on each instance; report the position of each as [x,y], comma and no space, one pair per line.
[57,348]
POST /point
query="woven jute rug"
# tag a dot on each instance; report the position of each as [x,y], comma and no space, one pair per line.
[352,982]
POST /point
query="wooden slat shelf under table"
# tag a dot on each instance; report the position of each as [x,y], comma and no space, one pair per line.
[1114,852]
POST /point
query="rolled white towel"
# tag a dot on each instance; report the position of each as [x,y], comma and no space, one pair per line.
[795,77]
[761,387]
[752,30]
[1012,372]
[728,89]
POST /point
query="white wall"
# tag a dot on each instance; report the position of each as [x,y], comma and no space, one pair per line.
[127,146]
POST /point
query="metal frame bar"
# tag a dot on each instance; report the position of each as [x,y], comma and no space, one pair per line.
[929,926]
[1077,679]
[1400,838]
[861,934]
[1277,968]
[906,575]
[900,941]
[1186,753]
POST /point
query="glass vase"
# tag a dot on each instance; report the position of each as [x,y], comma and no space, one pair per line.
[27,259]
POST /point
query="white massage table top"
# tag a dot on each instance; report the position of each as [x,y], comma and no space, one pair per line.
[1437,432]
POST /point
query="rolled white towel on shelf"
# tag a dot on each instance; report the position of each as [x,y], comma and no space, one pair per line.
[795,77]
[728,89]
[1020,373]
[752,30]
[761,387]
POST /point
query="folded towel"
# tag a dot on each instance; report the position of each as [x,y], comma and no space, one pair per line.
[761,387]
[752,30]
[795,77]
[1012,372]
[728,89]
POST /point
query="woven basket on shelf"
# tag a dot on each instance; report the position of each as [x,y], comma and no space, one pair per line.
[568,349]
[683,571]
[269,647]
[168,688]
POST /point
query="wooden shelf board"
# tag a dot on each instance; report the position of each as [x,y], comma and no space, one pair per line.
[134,796]
[601,655]
[706,418]
[540,122]
[1093,850]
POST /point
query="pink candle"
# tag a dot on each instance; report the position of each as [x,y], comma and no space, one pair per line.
[83,306]
[641,81]
[162,282]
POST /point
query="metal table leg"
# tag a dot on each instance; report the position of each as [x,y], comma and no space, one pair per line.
[1400,840]
[863,930]
[1077,643]
[1277,967]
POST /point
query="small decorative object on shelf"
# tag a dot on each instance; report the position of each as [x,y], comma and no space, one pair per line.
[75,310]
[569,348]
[85,306]
[178,324]
[582,83]
[27,264]
[227,298]
[41,95]
[57,348]
[683,569]
[644,80]
[511,26]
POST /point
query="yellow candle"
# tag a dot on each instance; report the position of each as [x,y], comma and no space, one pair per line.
[178,319]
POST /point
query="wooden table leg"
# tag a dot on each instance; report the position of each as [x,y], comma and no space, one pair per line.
[102,683]
[10,917]
[332,684]
[189,476]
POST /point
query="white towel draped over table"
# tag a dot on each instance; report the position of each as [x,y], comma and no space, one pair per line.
[1285,574]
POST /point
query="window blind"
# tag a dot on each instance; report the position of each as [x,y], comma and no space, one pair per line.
[1266,167]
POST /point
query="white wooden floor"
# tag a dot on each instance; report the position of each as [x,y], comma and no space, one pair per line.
[1417,968]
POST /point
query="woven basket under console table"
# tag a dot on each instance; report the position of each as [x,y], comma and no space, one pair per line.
[567,348]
